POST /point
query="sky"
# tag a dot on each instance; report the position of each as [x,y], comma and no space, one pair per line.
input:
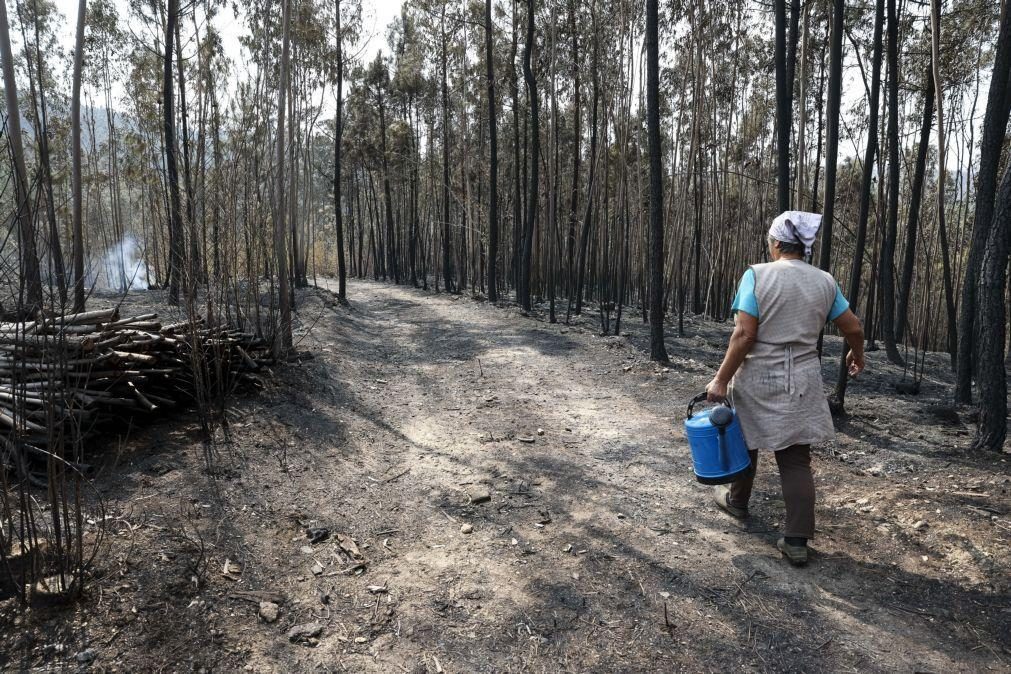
[376,16]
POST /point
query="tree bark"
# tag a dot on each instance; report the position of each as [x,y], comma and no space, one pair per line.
[657,350]
[75,151]
[447,259]
[493,160]
[942,172]
[391,253]
[887,266]
[584,236]
[342,273]
[991,376]
[915,201]
[177,255]
[27,247]
[786,51]
[832,131]
[839,396]
[283,340]
[42,139]
[535,144]
[995,123]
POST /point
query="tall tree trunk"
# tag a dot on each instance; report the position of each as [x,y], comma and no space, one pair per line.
[887,266]
[75,151]
[577,134]
[447,259]
[342,272]
[584,236]
[192,275]
[177,256]
[30,273]
[942,173]
[42,140]
[832,131]
[391,251]
[282,341]
[995,122]
[493,161]
[535,144]
[839,397]
[786,55]
[915,201]
[991,376]
[656,346]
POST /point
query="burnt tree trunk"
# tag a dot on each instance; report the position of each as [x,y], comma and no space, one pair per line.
[887,266]
[657,350]
[995,122]
[915,200]
[839,396]
[493,159]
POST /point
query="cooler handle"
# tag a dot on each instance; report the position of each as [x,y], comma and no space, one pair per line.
[701,398]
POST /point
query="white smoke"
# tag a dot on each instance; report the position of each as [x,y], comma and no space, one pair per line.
[121,268]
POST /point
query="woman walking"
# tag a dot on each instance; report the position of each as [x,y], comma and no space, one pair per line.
[773,371]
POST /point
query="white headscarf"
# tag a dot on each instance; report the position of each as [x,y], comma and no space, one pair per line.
[796,227]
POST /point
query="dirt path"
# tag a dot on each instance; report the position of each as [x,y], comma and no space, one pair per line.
[593,548]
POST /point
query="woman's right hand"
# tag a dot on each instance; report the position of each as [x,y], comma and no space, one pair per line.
[854,364]
[716,391]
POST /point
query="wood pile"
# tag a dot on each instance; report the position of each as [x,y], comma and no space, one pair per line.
[71,376]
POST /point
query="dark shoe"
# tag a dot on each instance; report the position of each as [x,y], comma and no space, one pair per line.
[721,494]
[796,554]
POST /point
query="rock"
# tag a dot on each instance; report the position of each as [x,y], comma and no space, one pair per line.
[920,524]
[467,529]
[540,431]
[863,501]
[479,496]
[86,656]
[304,632]
[231,570]
[317,569]
[269,611]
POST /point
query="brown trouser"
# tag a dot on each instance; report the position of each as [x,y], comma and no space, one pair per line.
[798,488]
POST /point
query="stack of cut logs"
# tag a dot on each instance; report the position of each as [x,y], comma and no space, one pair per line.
[70,376]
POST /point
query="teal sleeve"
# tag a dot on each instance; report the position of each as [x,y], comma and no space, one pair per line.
[839,305]
[745,299]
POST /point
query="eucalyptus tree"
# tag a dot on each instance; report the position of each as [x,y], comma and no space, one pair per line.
[177,255]
[347,17]
[106,41]
[30,276]
[39,39]
[489,28]
[77,245]
[523,291]
[282,341]
[657,350]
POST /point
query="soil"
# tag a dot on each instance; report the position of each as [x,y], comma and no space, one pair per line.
[500,493]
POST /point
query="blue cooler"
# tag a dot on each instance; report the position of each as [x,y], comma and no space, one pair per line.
[717,443]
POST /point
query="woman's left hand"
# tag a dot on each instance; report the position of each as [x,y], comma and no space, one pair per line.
[716,391]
